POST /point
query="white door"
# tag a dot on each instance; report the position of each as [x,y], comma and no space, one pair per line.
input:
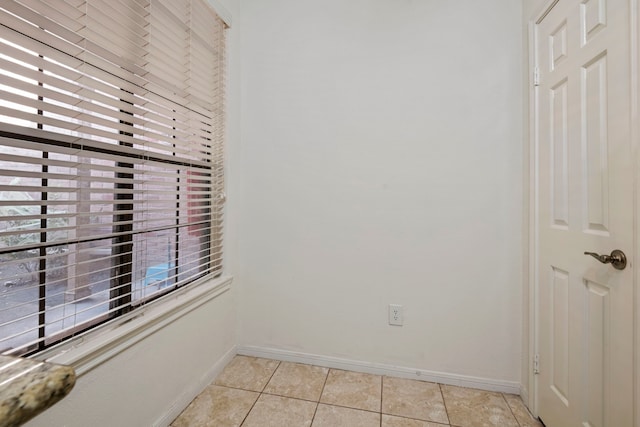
[585,203]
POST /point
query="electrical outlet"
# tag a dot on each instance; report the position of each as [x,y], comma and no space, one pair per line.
[395,314]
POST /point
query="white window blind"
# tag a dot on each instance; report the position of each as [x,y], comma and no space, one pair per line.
[111,151]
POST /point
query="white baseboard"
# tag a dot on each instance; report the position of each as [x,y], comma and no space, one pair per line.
[194,390]
[511,387]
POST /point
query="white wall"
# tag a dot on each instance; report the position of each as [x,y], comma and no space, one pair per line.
[150,383]
[382,163]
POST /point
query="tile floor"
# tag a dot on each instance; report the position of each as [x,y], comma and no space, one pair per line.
[253,392]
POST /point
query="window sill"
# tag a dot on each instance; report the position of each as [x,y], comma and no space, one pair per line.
[93,348]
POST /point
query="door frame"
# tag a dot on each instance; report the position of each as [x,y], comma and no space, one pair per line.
[635,146]
[530,319]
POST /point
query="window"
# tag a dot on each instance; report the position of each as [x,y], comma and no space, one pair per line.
[111,150]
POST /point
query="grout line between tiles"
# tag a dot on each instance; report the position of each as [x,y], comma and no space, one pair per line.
[236,388]
[260,393]
[444,402]
[510,409]
[337,405]
[320,397]
[271,377]
[250,409]
[381,394]
[290,397]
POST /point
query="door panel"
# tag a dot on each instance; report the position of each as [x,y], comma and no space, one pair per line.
[585,203]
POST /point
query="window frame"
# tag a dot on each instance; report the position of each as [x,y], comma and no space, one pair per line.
[124,308]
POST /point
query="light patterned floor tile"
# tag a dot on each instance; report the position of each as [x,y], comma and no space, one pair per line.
[523,416]
[247,373]
[353,389]
[476,408]
[256,392]
[297,380]
[336,416]
[276,411]
[393,421]
[217,407]
[413,399]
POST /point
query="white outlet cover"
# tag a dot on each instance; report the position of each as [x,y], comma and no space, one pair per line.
[396,316]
